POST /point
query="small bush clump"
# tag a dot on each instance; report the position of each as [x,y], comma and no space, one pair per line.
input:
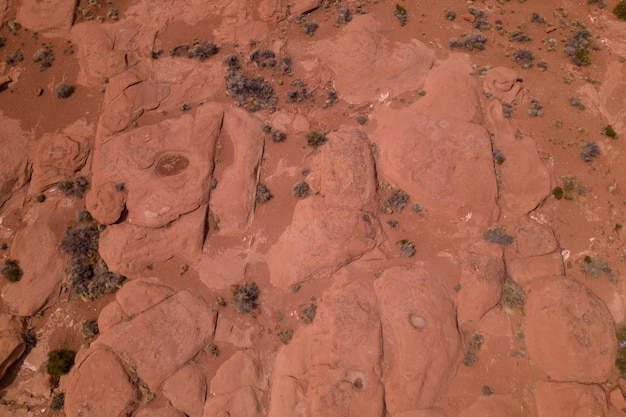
[89,329]
[577,46]
[575,102]
[595,267]
[395,202]
[498,236]
[308,313]
[309,28]
[278,136]
[11,270]
[44,57]
[300,190]
[60,361]
[470,42]
[450,15]
[512,295]
[535,109]
[407,248]
[523,57]
[344,15]
[315,139]
[480,21]
[57,401]
[253,94]
[202,50]
[401,14]
[245,296]
[609,131]
[263,194]
[517,35]
[63,90]
[589,150]
[620,10]
[81,241]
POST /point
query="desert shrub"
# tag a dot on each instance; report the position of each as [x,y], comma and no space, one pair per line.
[471,349]
[595,267]
[589,150]
[263,194]
[401,14]
[89,329]
[620,10]
[535,109]
[498,157]
[309,28]
[63,90]
[101,282]
[507,110]
[535,18]
[575,102]
[609,131]
[202,50]
[253,94]
[14,57]
[263,58]
[523,57]
[44,57]
[213,349]
[83,215]
[558,193]
[450,15]
[11,270]
[517,35]
[344,16]
[285,336]
[360,119]
[498,236]
[470,42]
[315,139]
[60,361]
[245,296]
[179,50]
[80,241]
[57,401]
[300,190]
[577,46]
[513,296]
[308,313]
[480,21]
[278,136]
[407,248]
[395,202]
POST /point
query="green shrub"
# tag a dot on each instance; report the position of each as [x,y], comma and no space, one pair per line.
[60,361]
[315,139]
[610,132]
[620,10]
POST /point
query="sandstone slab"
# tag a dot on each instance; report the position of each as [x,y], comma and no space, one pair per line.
[570,333]
[98,386]
[187,390]
[162,339]
[570,400]
[494,406]
[11,342]
[420,338]
[46,15]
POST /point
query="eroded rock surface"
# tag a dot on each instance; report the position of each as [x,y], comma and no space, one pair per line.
[11,342]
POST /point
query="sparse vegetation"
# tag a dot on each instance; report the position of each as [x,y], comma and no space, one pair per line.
[344,15]
[202,50]
[395,202]
[278,136]
[14,57]
[57,402]
[609,132]
[308,313]
[450,15]
[498,157]
[401,14]
[285,336]
[60,361]
[245,296]
[575,102]
[577,46]
[309,28]
[89,329]
[589,150]
[517,35]
[62,90]
[557,192]
[507,110]
[471,349]
[253,94]
[512,295]
[535,109]
[470,42]
[263,58]
[315,139]
[407,248]
[300,190]
[524,57]
[480,19]
[263,194]
[620,10]
[498,236]
[11,271]
[620,361]
[595,267]
[213,350]
[44,57]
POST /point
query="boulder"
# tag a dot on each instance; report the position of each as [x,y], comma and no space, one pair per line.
[12,344]
[98,386]
[163,338]
[46,15]
[187,389]
[139,295]
[421,342]
[569,332]
[570,400]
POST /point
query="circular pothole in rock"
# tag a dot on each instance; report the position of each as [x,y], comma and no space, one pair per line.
[171,164]
[418,322]
[357,379]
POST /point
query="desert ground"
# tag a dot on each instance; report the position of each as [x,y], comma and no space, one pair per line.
[312,208]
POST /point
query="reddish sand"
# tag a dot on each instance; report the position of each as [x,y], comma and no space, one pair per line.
[432,269]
